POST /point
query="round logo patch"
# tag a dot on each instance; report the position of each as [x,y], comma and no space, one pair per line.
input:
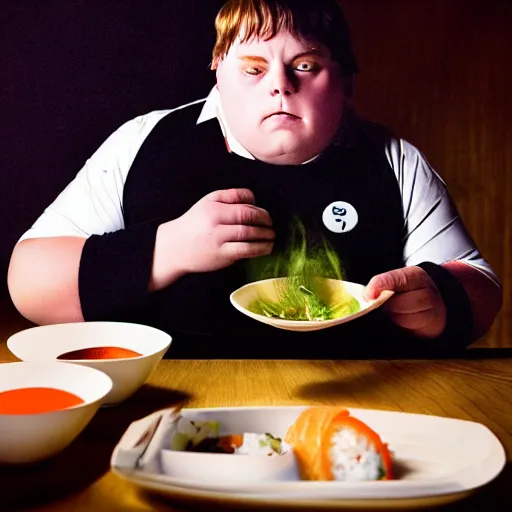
[340,217]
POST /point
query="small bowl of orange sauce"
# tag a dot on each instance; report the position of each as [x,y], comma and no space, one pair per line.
[45,406]
[127,353]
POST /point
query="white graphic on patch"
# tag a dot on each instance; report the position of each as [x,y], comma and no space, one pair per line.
[340,217]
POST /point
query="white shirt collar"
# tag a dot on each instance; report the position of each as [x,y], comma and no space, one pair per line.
[213,109]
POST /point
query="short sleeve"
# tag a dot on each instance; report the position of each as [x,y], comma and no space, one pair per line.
[93,202]
[433,228]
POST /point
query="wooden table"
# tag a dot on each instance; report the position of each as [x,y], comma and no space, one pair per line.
[79,479]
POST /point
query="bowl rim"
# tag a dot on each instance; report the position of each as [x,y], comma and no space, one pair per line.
[163,348]
[86,403]
[369,305]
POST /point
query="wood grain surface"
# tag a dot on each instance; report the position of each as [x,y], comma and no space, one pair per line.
[438,73]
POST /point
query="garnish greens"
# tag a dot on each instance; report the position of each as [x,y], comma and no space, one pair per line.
[304,294]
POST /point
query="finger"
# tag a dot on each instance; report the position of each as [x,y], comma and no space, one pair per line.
[427,324]
[232,196]
[242,250]
[414,321]
[243,214]
[399,280]
[415,301]
[243,233]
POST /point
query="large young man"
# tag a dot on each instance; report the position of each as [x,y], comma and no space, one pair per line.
[160,224]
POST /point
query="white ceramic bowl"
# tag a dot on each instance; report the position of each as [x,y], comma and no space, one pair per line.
[29,438]
[196,466]
[267,289]
[46,343]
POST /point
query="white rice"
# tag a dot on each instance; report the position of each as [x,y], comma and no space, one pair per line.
[353,458]
[257,444]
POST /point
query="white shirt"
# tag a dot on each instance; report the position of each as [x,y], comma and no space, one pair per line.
[93,202]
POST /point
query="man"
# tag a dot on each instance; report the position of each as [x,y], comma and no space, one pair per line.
[161,223]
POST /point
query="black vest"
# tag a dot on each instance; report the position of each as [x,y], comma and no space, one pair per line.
[180,162]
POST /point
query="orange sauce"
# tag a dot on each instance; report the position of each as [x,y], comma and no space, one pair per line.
[36,400]
[100,353]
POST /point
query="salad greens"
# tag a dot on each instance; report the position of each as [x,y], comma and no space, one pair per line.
[304,294]
[297,302]
[188,434]
[274,443]
[204,437]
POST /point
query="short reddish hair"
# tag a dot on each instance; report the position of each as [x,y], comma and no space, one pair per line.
[322,21]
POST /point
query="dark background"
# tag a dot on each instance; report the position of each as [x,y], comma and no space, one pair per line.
[438,72]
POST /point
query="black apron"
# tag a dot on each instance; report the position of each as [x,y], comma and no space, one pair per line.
[180,162]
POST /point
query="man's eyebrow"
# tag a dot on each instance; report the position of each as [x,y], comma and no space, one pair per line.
[261,60]
[253,58]
[313,52]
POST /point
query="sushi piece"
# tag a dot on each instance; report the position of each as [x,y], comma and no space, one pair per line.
[203,436]
[330,444]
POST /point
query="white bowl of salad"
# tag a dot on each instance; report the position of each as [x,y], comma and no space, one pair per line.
[298,304]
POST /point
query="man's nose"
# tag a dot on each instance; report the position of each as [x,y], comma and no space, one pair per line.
[282,82]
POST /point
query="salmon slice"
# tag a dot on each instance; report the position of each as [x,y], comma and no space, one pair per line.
[313,435]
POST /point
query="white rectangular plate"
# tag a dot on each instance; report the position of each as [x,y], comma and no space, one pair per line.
[437,460]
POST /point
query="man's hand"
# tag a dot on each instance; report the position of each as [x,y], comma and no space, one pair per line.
[416,305]
[221,228]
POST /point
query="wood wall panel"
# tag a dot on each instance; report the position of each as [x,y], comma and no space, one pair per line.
[439,73]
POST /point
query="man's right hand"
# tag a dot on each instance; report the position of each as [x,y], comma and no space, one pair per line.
[221,228]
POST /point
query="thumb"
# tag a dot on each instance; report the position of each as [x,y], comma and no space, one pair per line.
[399,280]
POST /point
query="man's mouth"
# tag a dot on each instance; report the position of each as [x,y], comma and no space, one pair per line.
[283,114]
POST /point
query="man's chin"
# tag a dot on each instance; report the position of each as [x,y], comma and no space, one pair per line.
[288,157]
[284,152]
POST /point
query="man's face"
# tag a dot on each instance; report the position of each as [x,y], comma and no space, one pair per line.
[282,98]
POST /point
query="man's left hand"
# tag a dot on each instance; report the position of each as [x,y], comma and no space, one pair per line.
[416,305]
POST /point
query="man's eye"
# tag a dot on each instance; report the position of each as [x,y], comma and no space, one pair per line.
[306,66]
[253,70]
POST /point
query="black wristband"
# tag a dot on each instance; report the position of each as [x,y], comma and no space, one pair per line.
[115,269]
[458,333]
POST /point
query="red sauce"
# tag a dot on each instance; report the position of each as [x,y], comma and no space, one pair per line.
[100,353]
[36,400]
